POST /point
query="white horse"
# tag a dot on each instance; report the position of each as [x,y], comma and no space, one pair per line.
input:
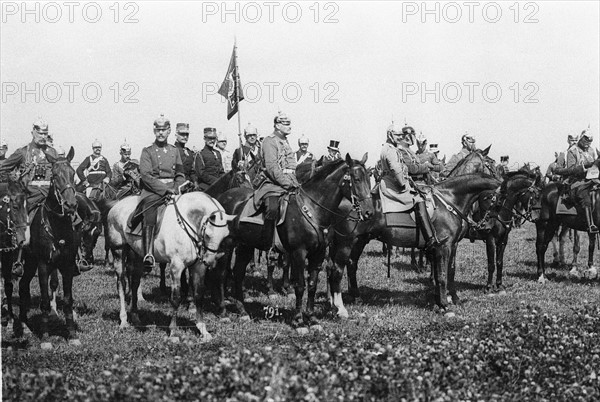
[190,236]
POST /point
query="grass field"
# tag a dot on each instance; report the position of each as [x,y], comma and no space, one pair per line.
[538,342]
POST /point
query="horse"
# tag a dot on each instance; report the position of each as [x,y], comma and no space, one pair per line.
[190,235]
[53,246]
[310,211]
[14,234]
[453,198]
[88,227]
[549,221]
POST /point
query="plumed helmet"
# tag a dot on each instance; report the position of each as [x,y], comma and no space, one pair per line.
[467,137]
[282,118]
[250,130]
[394,129]
[421,139]
[125,147]
[303,140]
[586,135]
[96,144]
[40,125]
[162,123]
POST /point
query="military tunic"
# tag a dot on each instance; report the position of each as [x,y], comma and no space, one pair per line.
[249,153]
[31,161]
[97,168]
[430,157]
[303,157]
[208,167]
[160,169]
[397,165]
[462,154]
[187,161]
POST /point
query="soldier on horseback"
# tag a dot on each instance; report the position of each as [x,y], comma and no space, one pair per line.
[161,172]
[98,171]
[251,149]
[468,146]
[279,164]
[427,156]
[208,165]
[182,135]
[579,159]
[398,161]
[302,155]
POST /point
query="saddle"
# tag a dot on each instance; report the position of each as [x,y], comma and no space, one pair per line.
[398,208]
[251,214]
[135,219]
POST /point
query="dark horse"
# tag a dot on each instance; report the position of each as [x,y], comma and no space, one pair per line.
[14,234]
[453,197]
[310,211]
[53,246]
[549,221]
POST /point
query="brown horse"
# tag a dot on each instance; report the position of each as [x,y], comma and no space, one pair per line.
[14,234]
[53,246]
[311,210]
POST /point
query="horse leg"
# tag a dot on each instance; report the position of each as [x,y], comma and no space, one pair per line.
[7,310]
[177,268]
[555,251]
[270,279]
[336,273]
[352,266]
[135,273]
[243,255]
[298,259]
[490,248]
[591,246]
[54,292]
[67,279]
[443,266]
[285,268]
[453,295]
[29,271]
[163,278]
[545,231]
[43,274]
[576,247]
[197,274]
[120,271]
[314,267]
[500,248]
[218,278]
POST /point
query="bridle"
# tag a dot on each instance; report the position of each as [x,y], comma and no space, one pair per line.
[58,194]
[501,205]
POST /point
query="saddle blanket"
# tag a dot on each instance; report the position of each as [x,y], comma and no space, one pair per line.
[251,214]
[395,205]
[565,206]
[137,230]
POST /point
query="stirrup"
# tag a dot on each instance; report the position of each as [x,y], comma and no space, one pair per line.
[593,229]
[149,262]
[17,269]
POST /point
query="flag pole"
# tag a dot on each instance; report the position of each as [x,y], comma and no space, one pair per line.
[237,100]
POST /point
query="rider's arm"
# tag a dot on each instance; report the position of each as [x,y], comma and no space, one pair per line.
[395,165]
[179,174]
[271,155]
[108,170]
[81,168]
[450,165]
[13,161]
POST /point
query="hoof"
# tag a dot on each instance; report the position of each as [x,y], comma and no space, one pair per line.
[74,342]
[302,331]
[225,320]
[449,314]
[542,280]
[343,314]
[591,273]
[245,318]
[124,325]
[316,328]
[449,299]
[46,345]
[502,293]
[174,339]
[206,338]
[490,294]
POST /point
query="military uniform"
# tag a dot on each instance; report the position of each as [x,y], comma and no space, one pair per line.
[303,157]
[187,160]
[31,161]
[430,157]
[250,153]
[578,160]
[161,169]
[279,164]
[98,169]
[462,154]
[208,167]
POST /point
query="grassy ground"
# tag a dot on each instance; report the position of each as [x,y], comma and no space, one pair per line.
[538,342]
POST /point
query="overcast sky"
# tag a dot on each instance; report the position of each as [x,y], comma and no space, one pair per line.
[521,83]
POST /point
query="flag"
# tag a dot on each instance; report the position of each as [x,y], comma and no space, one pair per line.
[231,88]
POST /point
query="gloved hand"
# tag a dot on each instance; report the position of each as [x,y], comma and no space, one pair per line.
[588,164]
[106,180]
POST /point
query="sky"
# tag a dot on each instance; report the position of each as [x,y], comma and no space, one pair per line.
[519,76]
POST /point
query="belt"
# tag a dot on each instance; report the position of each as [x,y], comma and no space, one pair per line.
[39,183]
[166,181]
[97,172]
[289,171]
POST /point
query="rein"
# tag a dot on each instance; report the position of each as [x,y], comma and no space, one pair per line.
[454,210]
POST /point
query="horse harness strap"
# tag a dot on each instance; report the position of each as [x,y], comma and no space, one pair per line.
[453,209]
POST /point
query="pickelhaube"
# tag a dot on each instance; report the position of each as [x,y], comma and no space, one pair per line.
[183,128]
[468,137]
[408,130]
[162,123]
[221,136]
[40,125]
[421,139]
[210,132]
[96,144]
[282,118]
[303,140]
[586,135]
[125,147]
[250,130]
[394,129]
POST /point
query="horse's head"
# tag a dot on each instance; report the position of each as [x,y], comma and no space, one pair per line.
[15,220]
[90,228]
[131,172]
[63,182]
[519,192]
[477,161]
[214,229]
[356,186]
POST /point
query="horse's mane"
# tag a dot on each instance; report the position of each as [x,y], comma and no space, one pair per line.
[451,181]
[325,171]
[475,153]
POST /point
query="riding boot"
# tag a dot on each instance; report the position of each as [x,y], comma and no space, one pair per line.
[425,224]
[592,228]
[268,232]
[148,241]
